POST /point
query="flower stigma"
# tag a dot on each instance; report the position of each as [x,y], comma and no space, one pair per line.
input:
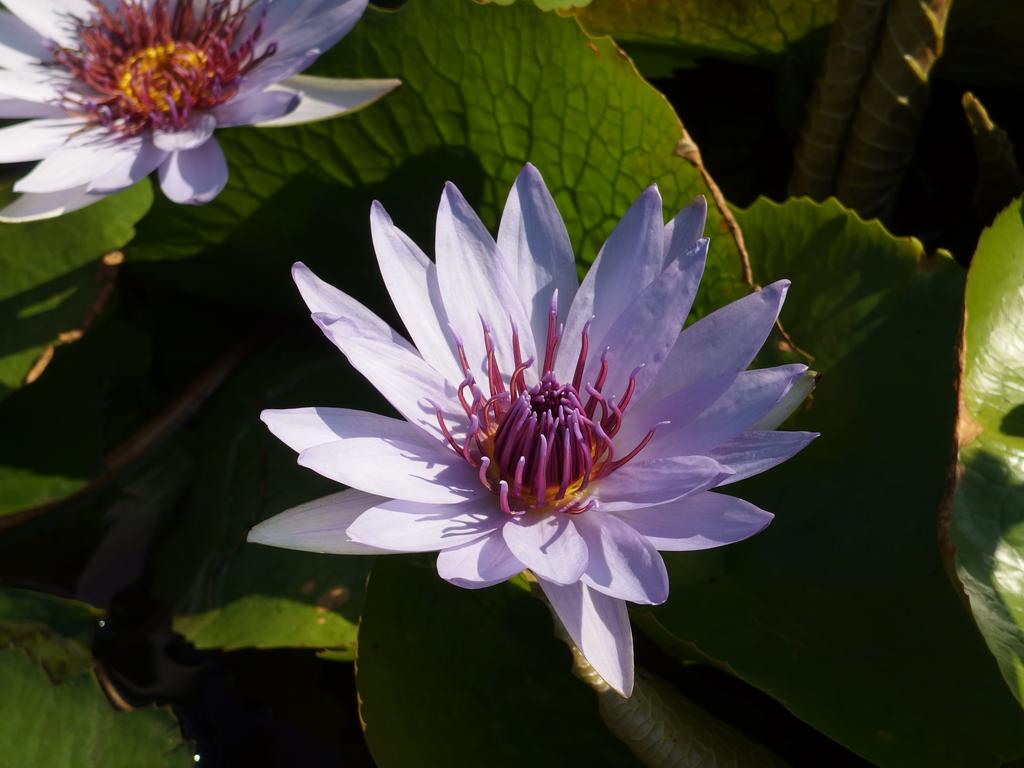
[136,68]
[538,448]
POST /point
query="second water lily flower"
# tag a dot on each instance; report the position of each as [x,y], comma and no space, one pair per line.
[113,90]
[569,430]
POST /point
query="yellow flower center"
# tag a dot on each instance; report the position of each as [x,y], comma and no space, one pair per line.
[160,76]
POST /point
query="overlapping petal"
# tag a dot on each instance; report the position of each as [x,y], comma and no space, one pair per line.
[403,526]
[383,356]
[549,545]
[631,258]
[480,563]
[319,526]
[599,626]
[377,454]
[648,482]
[621,563]
[751,397]
[758,451]
[194,176]
[535,252]
[699,521]
[474,286]
[321,98]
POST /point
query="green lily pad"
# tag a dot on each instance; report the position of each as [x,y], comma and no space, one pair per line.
[456,677]
[53,711]
[987,518]
[842,609]
[51,277]
[744,30]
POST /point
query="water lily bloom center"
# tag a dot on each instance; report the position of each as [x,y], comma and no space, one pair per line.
[539,447]
[139,67]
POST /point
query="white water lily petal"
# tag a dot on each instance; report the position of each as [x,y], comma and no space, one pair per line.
[21,108]
[720,345]
[324,299]
[319,526]
[646,332]
[401,376]
[793,399]
[701,521]
[599,626]
[534,249]
[194,176]
[19,43]
[30,85]
[257,108]
[411,279]
[755,452]
[753,395]
[403,526]
[475,287]
[621,563]
[35,139]
[198,132]
[383,356]
[380,455]
[480,563]
[50,18]
[682,234]
[321,98]
[132,170]
[548,544]
[312,26]
[643,483]
[38,207]
[82,160]
[628,262]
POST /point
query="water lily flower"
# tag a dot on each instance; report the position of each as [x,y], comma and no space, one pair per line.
[116,89]
[566,430]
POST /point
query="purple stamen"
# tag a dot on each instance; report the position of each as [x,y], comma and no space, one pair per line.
[540,447]
[140,66]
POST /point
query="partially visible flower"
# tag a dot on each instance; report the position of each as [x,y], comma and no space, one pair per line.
[567,429]
[117,89]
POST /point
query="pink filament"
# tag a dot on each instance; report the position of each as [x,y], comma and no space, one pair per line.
[535,446]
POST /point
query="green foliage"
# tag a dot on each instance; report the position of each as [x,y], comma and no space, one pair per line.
[50,276]
[47,678]
[734,29]
[845,592]
[987,518]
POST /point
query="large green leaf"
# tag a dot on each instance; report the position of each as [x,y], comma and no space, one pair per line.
[485,91]
[51,277]
[983,47]
[842,609]
[455,677]
[226,593]
[53,711]
[747,30]
[987,520]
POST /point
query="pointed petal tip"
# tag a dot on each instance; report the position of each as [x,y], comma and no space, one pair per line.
[651,194]
[529,171]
